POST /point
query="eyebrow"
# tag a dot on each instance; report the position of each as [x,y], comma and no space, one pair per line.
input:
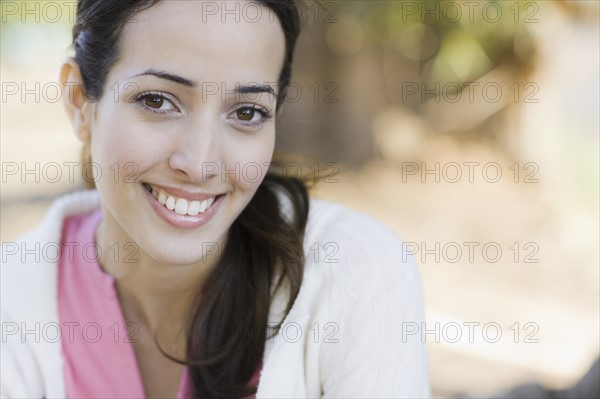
[252,88]
[255,89]
[168,76]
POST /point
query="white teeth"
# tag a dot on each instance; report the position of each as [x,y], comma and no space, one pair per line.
[180,205]
[162,197]
[203,205]
[194,208]
[170,203]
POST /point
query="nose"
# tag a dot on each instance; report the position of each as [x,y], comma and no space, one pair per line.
[196,155]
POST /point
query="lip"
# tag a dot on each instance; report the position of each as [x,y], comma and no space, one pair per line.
[184,221]
[180,193]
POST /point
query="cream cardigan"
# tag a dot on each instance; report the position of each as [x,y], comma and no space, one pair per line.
[360,287]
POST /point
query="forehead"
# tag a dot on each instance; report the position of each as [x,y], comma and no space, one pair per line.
[207,41]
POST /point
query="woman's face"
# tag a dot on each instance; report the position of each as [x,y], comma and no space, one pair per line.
[180,135]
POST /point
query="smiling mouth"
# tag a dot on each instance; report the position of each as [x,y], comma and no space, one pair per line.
[178,205]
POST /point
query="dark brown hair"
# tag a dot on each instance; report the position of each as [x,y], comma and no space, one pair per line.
[263,253]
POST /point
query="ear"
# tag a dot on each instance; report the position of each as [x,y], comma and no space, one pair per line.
[79,110]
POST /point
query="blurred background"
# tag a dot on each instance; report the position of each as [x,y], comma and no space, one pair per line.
[470,128]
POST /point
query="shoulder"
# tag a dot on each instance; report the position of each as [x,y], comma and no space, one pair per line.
[356,236]
[28,263]
[29,308]
[367,291]
[350,253]
[329,218]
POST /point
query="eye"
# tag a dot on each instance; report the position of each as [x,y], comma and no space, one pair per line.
[156,102]
[246,114]
[252,115]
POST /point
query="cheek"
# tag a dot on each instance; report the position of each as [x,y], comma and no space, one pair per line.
[115,153]
[251,161]
[119,145]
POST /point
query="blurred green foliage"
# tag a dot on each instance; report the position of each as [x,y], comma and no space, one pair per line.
[451,41]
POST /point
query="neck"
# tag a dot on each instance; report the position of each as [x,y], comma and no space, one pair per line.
[157,296]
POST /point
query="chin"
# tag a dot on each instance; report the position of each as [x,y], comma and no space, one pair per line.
[178,255]
[180,260]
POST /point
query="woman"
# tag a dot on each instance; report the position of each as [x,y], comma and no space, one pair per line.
[192,270]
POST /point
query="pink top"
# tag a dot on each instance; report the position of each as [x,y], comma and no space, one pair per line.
[96,340]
